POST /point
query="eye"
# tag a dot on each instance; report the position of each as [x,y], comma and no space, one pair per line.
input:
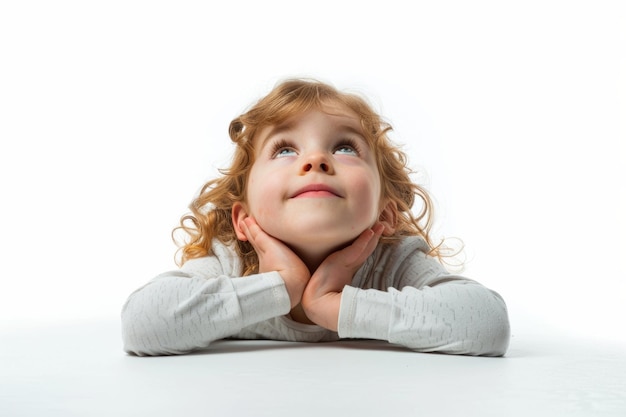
[347,147]
[281,149]
[284,152]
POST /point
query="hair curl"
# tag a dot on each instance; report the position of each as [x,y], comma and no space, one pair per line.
[210,216]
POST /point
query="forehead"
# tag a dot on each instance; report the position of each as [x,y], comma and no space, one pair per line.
[340,117]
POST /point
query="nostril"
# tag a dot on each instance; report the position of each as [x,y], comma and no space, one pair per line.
[316,166]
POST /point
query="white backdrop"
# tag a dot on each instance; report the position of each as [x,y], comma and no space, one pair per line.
[113,114]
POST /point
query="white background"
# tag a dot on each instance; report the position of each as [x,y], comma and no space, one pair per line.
[114,113]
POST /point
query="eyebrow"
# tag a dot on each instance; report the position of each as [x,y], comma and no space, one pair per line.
[287,126]
[355,131]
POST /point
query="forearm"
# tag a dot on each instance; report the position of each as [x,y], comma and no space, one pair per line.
[458,317]
[176,313]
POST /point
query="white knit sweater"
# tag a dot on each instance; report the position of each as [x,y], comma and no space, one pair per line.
[400,295]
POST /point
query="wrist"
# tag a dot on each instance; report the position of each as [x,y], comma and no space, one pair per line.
[323,311]
[295,289]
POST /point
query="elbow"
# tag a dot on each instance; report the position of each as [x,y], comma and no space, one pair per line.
[478,326]
[487,338]
[143,334]
[135,335]
[495,333]
[489,332]
[152,329]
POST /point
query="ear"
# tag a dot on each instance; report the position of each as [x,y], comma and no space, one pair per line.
[388,218]
[238,213]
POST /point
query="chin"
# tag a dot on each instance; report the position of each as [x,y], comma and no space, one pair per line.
[315,242]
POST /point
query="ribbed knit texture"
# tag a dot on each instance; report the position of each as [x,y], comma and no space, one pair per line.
[400,295]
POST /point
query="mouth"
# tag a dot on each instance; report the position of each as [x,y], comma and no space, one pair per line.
[316,191]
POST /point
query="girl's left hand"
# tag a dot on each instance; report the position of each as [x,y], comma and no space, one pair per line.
[322,296]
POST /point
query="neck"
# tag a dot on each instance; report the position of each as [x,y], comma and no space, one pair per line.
[313,257]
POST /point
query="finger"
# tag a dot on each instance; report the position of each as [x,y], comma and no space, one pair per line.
[378,230]
[260,240]
[246,231]
[253,232]
[361,243]
[364,245]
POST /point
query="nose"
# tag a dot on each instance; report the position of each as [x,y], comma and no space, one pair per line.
[317,162]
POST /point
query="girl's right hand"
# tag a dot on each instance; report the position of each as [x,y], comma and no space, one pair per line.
[274,255]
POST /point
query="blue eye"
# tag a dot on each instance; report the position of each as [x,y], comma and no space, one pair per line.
[281,149]
[284,152]
[347,147]
[346,150]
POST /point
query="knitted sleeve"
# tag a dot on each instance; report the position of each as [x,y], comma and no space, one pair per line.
[408,298]
[185,310]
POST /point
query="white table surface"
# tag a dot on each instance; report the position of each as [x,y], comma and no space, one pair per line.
[80,370]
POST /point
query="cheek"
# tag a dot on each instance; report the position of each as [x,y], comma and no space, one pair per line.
[367,189]
[261,194]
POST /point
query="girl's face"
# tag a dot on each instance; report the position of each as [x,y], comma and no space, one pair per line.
[314,184]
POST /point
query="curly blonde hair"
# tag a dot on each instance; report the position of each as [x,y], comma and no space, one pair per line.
[210,216]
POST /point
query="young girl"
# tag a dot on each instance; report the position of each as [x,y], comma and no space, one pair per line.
[310,236]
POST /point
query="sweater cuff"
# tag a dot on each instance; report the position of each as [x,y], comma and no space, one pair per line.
[364,314]
[261,297]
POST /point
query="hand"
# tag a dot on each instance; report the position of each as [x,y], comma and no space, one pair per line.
[274,255]
[322,295]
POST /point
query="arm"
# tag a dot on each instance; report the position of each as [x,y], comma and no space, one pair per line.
[185,310]
[458,317]
[412,301]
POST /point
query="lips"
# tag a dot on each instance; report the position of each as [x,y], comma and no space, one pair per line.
[316,190]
